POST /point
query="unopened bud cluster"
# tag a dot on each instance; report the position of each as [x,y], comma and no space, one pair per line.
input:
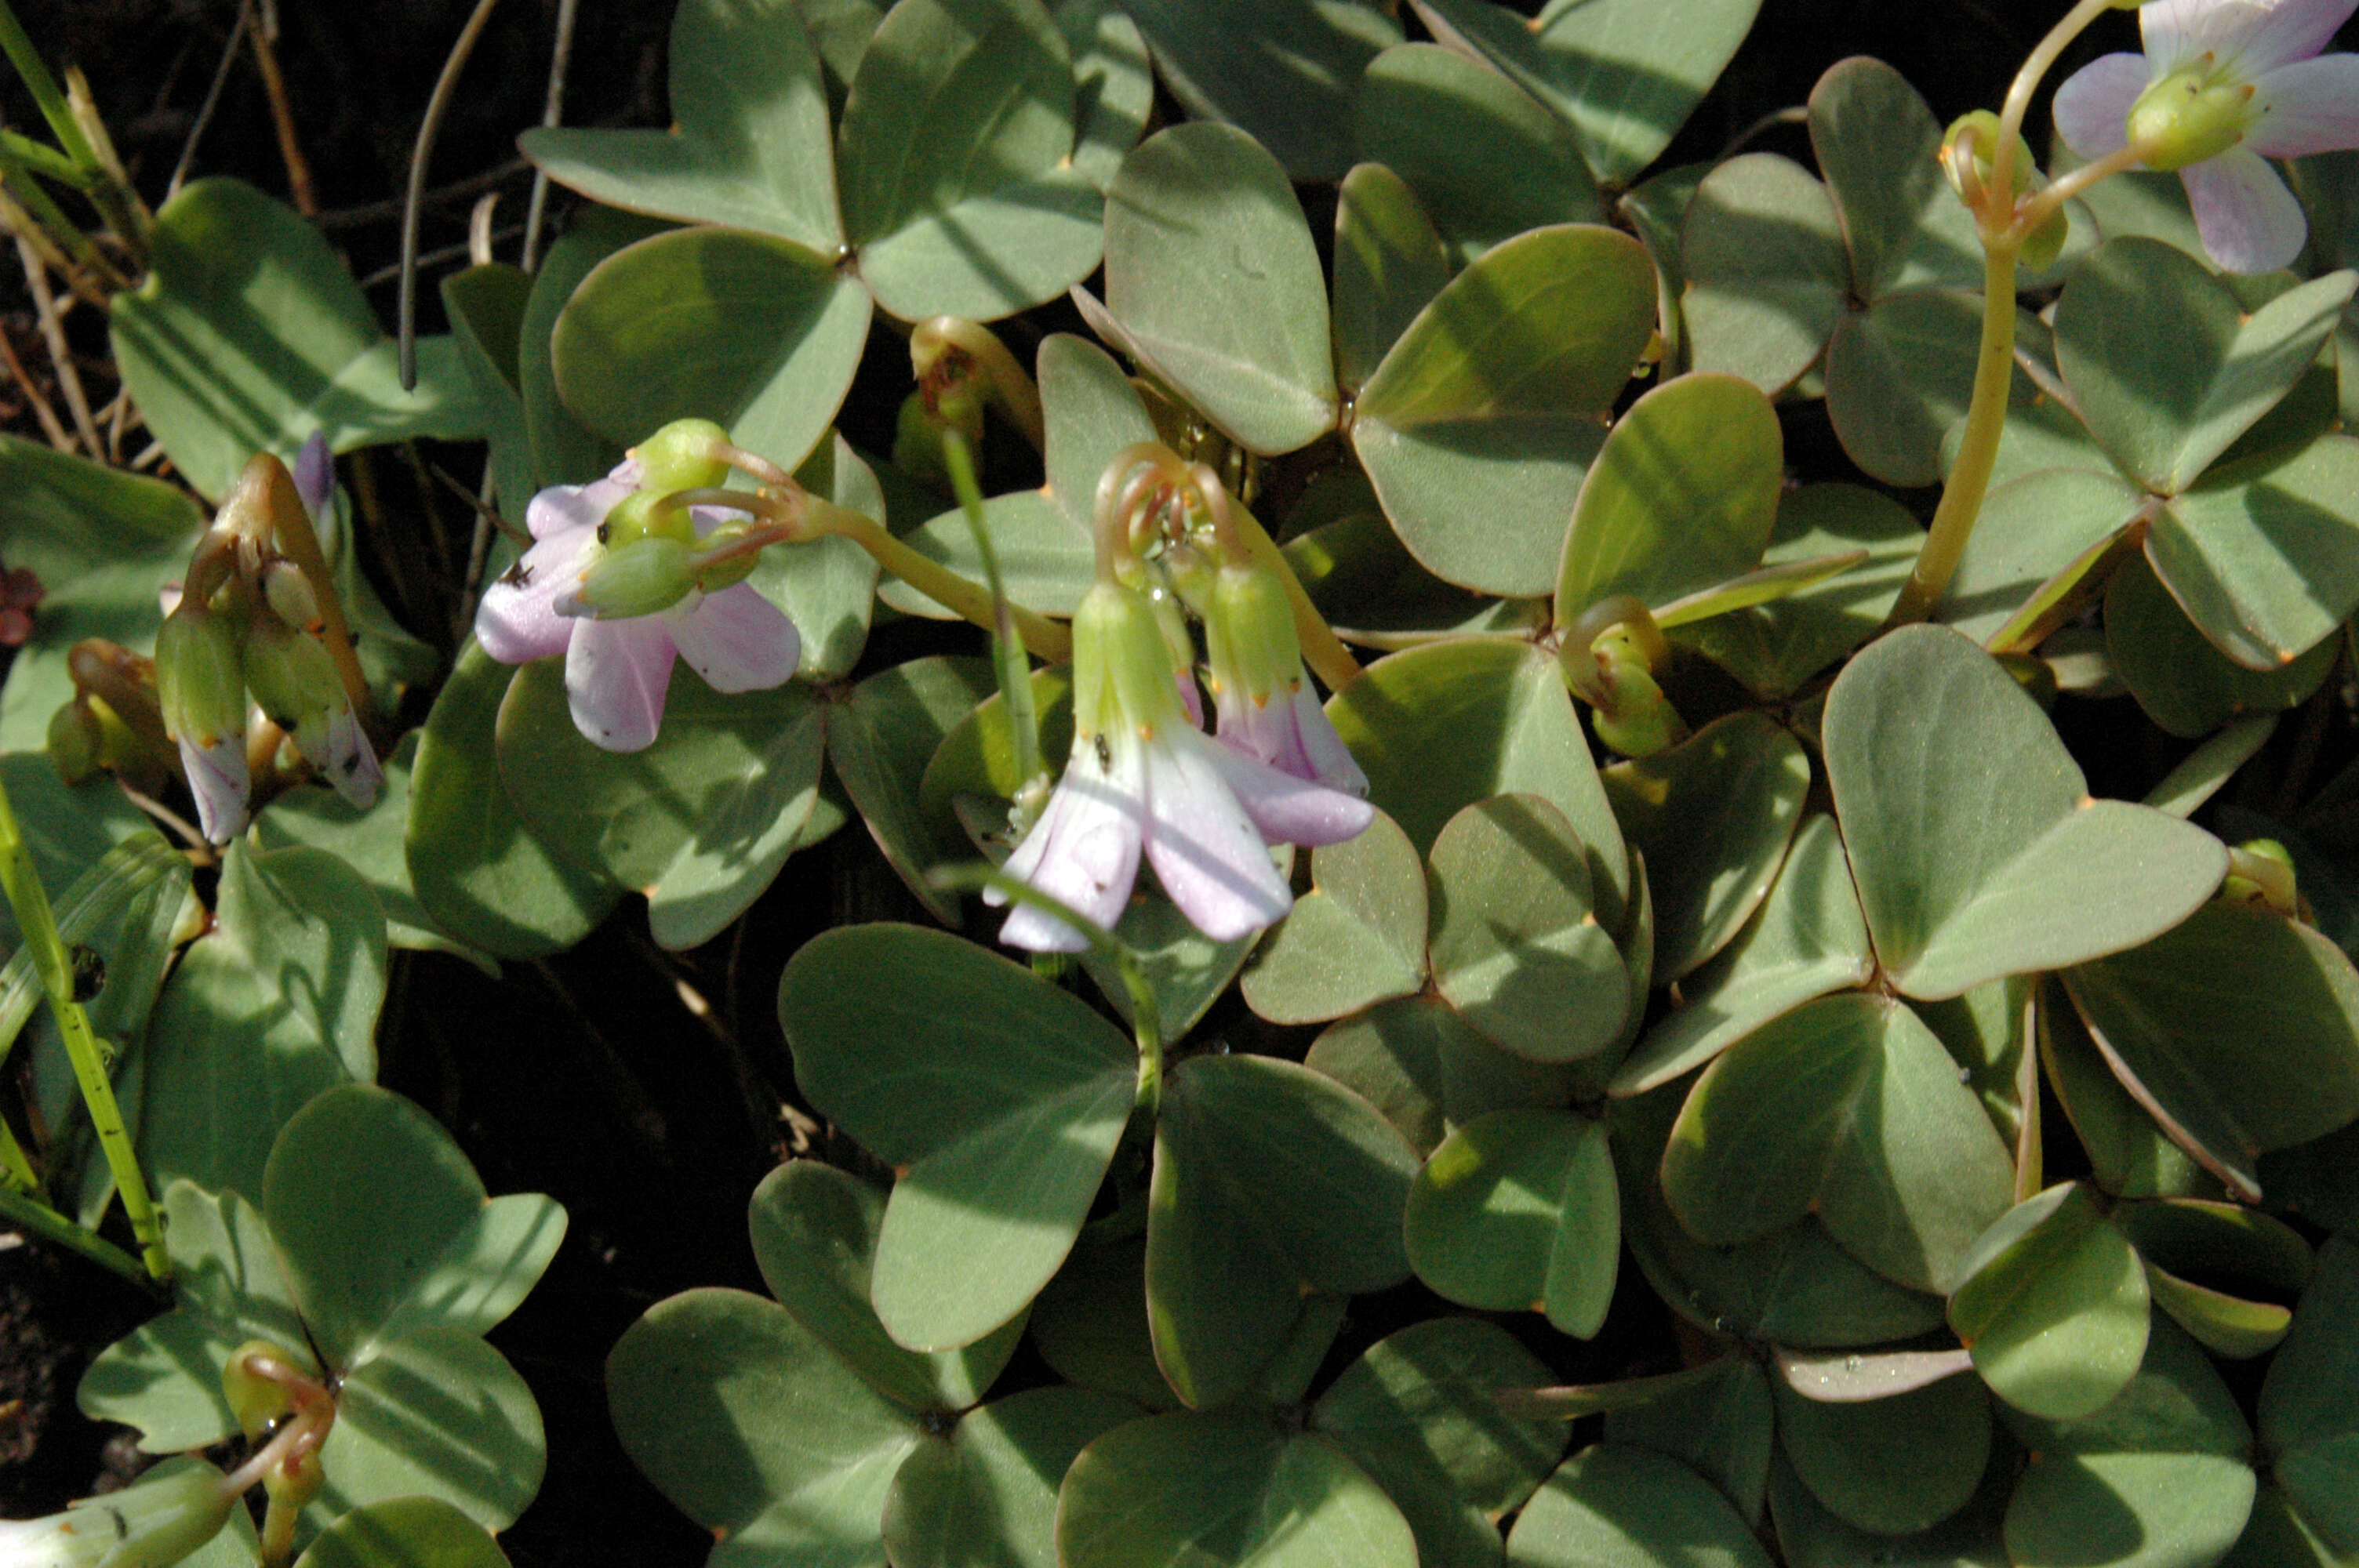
[649,553]
[245,639]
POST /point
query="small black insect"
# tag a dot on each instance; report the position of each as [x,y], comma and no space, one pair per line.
[89,972]
[517,575]
[1105,752]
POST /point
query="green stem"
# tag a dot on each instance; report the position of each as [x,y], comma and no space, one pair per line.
[2003,232]
[1007,658]
[39,928]
[52,218]
[43,159]
[46,92]
[2026,81]
[1145,1015]
[1961,497]
[30,1214]
[1047,641]
[2036,209]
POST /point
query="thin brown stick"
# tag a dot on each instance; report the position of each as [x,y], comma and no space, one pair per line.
[24,226]
[552,111]
[53,333]
[41,409]
[437,107]
[205,110]
[282,117]
[118,419]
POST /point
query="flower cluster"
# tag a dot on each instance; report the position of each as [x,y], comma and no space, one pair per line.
[2223,86]
[1143,779]
[622,585]
[256,617]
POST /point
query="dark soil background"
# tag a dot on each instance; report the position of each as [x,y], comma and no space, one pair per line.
[650,1092]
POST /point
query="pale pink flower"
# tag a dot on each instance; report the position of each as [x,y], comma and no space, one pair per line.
[1143,780]
[2252,64]
[616,671]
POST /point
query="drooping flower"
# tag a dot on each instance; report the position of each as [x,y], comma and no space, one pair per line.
[295,681]
[2223,86]
[1263,700]
[1143,780]
[619,658]
[201,688]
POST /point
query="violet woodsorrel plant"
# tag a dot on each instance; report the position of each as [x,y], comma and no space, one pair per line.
[1790,723]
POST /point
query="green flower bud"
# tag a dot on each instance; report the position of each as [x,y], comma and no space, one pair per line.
[650,574]
[959,406]
[681,456]
[257,1401]
[1249,632]
[294,1485]
[2047,243]
[2190,115]
[288,591]
[636,517]
[1640,720]
[76,741]
[1122,666]
[918,444]
[712,575]
[1984,127]
[293,676]
[2260,870]
[200,678]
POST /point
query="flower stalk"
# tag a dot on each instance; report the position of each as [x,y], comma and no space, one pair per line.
[1007,660]
[2005,221]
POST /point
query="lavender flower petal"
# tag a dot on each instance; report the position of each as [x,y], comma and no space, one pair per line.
[2250,222]
[615,676]
[735,639]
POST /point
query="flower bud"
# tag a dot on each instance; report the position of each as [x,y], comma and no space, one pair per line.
[1980,128]
[636,516]
[157,1521]
[959,406]
[2190,115]
[2261,871]
[293,676]
[918,443]
[288,591]
[1640,720]
[258,1401]
[649,574]
[681,455]
[200,683]
[76,741]
[1249,634]
[723,562]
[294,1485]
[296,682]
[1122,666]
